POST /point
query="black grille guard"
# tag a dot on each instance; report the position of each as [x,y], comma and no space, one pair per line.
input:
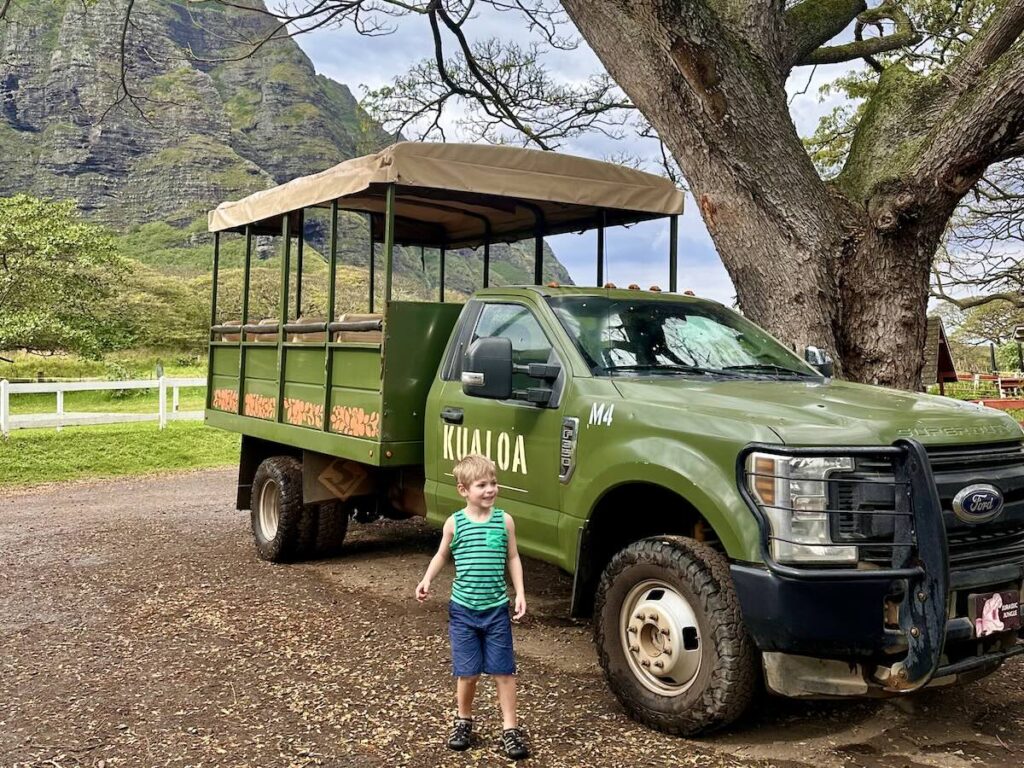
[919,553]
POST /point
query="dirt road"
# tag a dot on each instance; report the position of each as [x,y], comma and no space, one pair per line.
[137,628]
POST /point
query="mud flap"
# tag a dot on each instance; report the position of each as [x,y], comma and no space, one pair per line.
[584,585]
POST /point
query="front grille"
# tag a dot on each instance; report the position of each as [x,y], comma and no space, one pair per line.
[954,467]
[977,457]
[978,546]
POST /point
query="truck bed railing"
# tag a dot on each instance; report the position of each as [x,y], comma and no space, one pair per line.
[272,329]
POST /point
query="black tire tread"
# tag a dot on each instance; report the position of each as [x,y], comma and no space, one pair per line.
[296,529]
[734,678]
[331,528]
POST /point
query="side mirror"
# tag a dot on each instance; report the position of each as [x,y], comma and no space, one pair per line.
[820,359]
[487,369]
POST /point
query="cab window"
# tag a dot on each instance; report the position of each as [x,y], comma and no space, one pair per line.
[518,324]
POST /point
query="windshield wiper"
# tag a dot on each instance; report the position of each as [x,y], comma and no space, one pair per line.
[671,369]
[769,368]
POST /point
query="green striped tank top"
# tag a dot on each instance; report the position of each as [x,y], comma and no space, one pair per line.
[479,551]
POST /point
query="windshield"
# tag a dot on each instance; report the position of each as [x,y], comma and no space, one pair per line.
[660,337]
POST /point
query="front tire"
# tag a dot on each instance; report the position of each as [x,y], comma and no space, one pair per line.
[284,529]
[670,637]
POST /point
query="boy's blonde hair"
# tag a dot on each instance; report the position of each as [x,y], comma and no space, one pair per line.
[473,467]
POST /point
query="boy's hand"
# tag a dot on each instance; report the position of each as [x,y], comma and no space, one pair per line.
[423,590]
[520,607]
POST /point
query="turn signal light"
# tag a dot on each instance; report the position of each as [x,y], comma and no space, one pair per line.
[764,479]
[553,284]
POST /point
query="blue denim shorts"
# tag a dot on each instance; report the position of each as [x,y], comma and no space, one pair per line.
[481,641]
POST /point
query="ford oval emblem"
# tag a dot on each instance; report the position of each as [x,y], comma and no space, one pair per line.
[978,503]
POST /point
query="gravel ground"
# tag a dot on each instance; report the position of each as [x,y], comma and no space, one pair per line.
[137,628]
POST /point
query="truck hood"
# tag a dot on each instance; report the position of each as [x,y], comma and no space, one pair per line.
[826,413]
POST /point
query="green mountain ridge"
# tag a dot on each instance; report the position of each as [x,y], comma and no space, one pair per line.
[201,122]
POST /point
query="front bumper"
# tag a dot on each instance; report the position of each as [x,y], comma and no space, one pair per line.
[896,628]
[846,621]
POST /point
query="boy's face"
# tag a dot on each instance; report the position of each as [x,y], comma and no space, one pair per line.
[480,493]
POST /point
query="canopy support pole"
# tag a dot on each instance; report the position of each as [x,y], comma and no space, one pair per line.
[601,219]
[301,234]
[440,273]
[286,268]
[333,266]
[673,253]
[538,242]
[487,252]
[389,244]
[538,259]
[213,317]
[328,349]
[246,277]
[216,269]
[370,302]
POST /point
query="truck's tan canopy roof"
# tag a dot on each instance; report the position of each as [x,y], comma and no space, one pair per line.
[450,193]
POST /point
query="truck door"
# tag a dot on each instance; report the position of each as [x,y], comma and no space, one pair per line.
[522,439]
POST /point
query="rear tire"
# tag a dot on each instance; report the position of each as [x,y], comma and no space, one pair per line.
[284,529]
[671,639]
[332,525]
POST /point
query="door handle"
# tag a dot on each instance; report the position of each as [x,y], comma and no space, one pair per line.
[452,415]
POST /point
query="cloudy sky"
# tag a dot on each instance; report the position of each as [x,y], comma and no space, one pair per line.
[639,254]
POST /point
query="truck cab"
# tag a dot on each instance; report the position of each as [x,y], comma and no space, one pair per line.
[729,511]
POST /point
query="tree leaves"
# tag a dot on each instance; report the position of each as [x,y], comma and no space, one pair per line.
[56,274]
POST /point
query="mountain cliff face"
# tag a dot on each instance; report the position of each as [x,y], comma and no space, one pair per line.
[196,119]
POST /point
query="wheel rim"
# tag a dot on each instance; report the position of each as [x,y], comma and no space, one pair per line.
[660,638]
[270,510]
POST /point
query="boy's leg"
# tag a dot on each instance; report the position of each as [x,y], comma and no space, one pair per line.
[511,737]
[467,663]
[465,690]
[506,699]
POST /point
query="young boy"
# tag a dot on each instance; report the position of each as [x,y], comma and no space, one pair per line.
[482,541]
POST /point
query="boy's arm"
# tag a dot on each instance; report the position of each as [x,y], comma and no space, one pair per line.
[515,568]
[438,560]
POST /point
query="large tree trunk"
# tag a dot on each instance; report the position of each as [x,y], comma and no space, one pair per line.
[844,265]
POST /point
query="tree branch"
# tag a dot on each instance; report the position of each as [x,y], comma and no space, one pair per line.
[968,302]
[979,126]
[813,23]
[904,35]
[994,39]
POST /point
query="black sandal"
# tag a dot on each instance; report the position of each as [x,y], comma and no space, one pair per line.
[512,741]
[462,732]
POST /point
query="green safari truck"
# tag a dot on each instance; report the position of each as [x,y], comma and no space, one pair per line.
[730,513]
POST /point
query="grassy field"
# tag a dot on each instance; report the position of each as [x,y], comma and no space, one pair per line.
[128,364]
[44,455]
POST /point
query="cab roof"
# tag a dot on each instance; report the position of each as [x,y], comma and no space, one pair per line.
[461,195]
[619,294]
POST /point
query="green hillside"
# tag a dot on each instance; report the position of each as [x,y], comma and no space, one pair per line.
[205,124]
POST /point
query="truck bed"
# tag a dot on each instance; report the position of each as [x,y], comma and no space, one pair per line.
[331,397]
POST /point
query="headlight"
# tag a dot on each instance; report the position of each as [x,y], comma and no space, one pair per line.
[793,494]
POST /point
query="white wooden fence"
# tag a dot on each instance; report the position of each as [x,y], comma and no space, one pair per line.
[60,418]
